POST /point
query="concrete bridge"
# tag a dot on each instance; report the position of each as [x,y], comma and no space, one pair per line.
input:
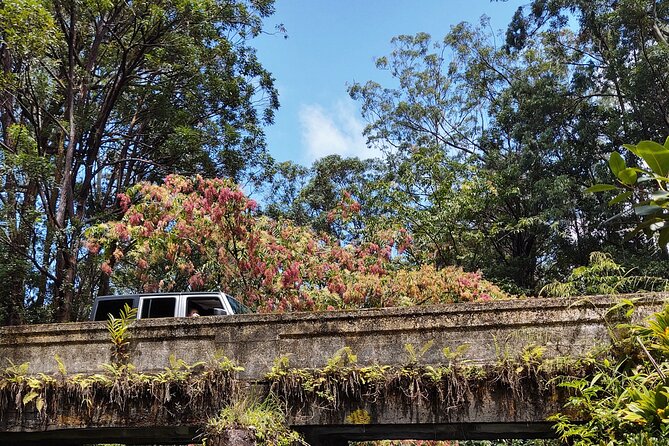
[494,332]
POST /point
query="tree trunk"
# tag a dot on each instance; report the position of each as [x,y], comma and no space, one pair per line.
[66,257]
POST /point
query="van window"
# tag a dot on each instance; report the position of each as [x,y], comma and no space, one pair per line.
[158,307]
[203,305]
[111,306]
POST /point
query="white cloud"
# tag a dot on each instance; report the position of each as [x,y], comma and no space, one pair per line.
[334,130]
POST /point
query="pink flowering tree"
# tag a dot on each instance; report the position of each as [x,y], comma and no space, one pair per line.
[205,234]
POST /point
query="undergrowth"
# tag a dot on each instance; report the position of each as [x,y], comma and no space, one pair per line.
[602,275]
[262,416]
[625,401]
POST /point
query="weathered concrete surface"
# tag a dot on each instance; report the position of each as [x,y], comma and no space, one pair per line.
[566,327]
[493,330]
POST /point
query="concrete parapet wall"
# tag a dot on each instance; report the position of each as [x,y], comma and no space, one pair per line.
[494,330]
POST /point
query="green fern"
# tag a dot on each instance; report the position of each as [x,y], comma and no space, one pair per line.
[413,355]
[61,366]
[453,356]
[602,275]
[344,357]
[264,418]
[118,332]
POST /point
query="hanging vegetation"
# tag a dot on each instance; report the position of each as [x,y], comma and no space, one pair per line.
[181,393]
[343,386]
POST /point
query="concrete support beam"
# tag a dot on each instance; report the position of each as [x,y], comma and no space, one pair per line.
[327,441]
[233,437]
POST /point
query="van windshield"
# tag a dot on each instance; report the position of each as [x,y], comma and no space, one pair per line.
[238,307]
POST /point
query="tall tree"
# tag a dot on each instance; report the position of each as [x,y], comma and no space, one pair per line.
[618,53]
[110,93]
[203,234]
[308,196]
[620,50]
[489,148]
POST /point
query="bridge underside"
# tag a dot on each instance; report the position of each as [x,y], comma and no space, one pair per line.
[83,436]
[333,435]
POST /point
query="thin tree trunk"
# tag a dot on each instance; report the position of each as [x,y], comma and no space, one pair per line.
[66,259]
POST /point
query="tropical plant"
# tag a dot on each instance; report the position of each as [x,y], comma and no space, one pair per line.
[203,234]
[603,275]
[119,334]
[263,417]
[625,402]
[645,187]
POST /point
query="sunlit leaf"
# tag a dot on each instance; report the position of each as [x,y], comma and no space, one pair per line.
[660,196]
[29,397]
[620,197]
[654,154]
[600,188]
[616,163]
[627,176]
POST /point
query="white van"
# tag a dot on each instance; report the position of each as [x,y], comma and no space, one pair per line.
[168,305]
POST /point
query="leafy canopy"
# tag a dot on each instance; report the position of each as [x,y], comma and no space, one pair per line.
[204,234]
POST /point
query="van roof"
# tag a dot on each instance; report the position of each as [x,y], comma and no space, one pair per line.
[194,293]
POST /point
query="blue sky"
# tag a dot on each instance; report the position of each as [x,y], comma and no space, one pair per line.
[333,43]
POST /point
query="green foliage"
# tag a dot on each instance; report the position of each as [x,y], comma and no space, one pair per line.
[646,187]
[279,368]
[343,359]
[414,356]
[204,234]
[532,355]
[472,195]
[97,96]
[344,385]
[625,401]
[308,196]
[187,389]
[487,148]
[263,417]
[62,369]
[341,379]
[119,334]
[454,355]
[27,26]
[603,275]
